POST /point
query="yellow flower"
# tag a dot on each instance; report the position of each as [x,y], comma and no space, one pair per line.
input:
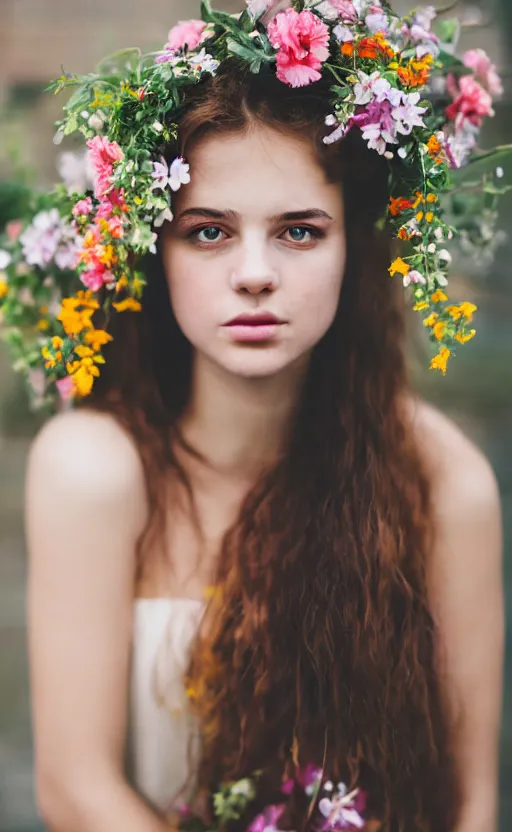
[84,377]
[128,304]
[419,216]
[52,360]
[420,306]
[57,343]
[97,338]
[463,338]
[438,296]
[419,200]
[440,360]
[431,198]
[122,283]
[467,310]
[430,321]
[43,324]
[399,266]
[3,289]
[429,216]
[439,330]
[454,312]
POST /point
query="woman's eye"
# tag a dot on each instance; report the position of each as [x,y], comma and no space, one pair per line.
[210,234]
[301,234]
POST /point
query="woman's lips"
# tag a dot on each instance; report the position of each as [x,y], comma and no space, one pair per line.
[251,328]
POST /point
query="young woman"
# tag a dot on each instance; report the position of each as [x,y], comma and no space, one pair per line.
[253,504]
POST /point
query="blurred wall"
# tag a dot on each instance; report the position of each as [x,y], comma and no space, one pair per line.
[36,37]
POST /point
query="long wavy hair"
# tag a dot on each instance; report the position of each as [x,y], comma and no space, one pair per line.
[318,645]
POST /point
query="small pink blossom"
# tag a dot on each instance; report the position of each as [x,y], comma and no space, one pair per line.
[471,102]
[66,388]
[484,69]
[96,278]
[14,229]
[257,7]
[116,227]
[346,10]
[102,155]
[83,207]
[186,33]
[266,822]
[302,40]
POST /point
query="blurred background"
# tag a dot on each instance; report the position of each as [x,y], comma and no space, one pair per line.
[36,38]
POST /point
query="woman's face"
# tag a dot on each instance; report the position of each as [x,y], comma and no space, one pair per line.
[256,252]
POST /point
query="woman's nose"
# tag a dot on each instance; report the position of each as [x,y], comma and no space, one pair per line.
[254,273]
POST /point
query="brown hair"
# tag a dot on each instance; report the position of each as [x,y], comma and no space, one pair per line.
[319,645]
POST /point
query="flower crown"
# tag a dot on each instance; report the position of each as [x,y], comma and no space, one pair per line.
[82,253]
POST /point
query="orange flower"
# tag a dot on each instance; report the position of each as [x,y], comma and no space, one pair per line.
[347,48]
[3,289]
[467,310]
[403,234]
[439,295]
[396,206]
[416,73]
[374,47]
[399,266]
[439,329]
[420,306]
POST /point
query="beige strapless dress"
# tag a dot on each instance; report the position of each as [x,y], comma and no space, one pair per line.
[162,734]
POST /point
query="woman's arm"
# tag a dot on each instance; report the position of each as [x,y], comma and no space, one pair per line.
[467,598]
[85,507]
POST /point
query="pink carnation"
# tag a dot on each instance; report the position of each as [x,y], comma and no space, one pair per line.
[471,102]
[102,155]
[303,43]
[484,69]
[186,33]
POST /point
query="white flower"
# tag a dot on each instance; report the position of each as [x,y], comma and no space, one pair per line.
[5,259]
[371,87]
[342,33]
[204,62]
[331,120]
[408,115]
[76,171]
[500,173]
[328,786]
[444,256]
[431,248]
[96,121]
[402,152]
[378,138]
[438,234]
[59,136]
[377,22]
[243,787]
[165,215]
[179,174]
[157,127]
[174,176]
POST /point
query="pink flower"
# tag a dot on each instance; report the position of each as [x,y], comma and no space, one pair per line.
[116,227]
[303,43]
[96,278]
[66,388]
[345,9]
[83,207]
[266,822]
[14,229]
[102,155]
[186,33]
[471,102]
[484,69]
[114,199]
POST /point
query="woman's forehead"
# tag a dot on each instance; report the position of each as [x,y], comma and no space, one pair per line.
[279,171]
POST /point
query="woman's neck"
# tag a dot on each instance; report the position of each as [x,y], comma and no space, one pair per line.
[238,424]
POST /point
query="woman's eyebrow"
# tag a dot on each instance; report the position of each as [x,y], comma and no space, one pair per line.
[289,216]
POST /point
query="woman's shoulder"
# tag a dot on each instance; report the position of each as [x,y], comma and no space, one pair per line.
[465,492]
[86,454]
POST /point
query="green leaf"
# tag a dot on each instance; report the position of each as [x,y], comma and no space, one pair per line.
[252,56]
[121,63]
